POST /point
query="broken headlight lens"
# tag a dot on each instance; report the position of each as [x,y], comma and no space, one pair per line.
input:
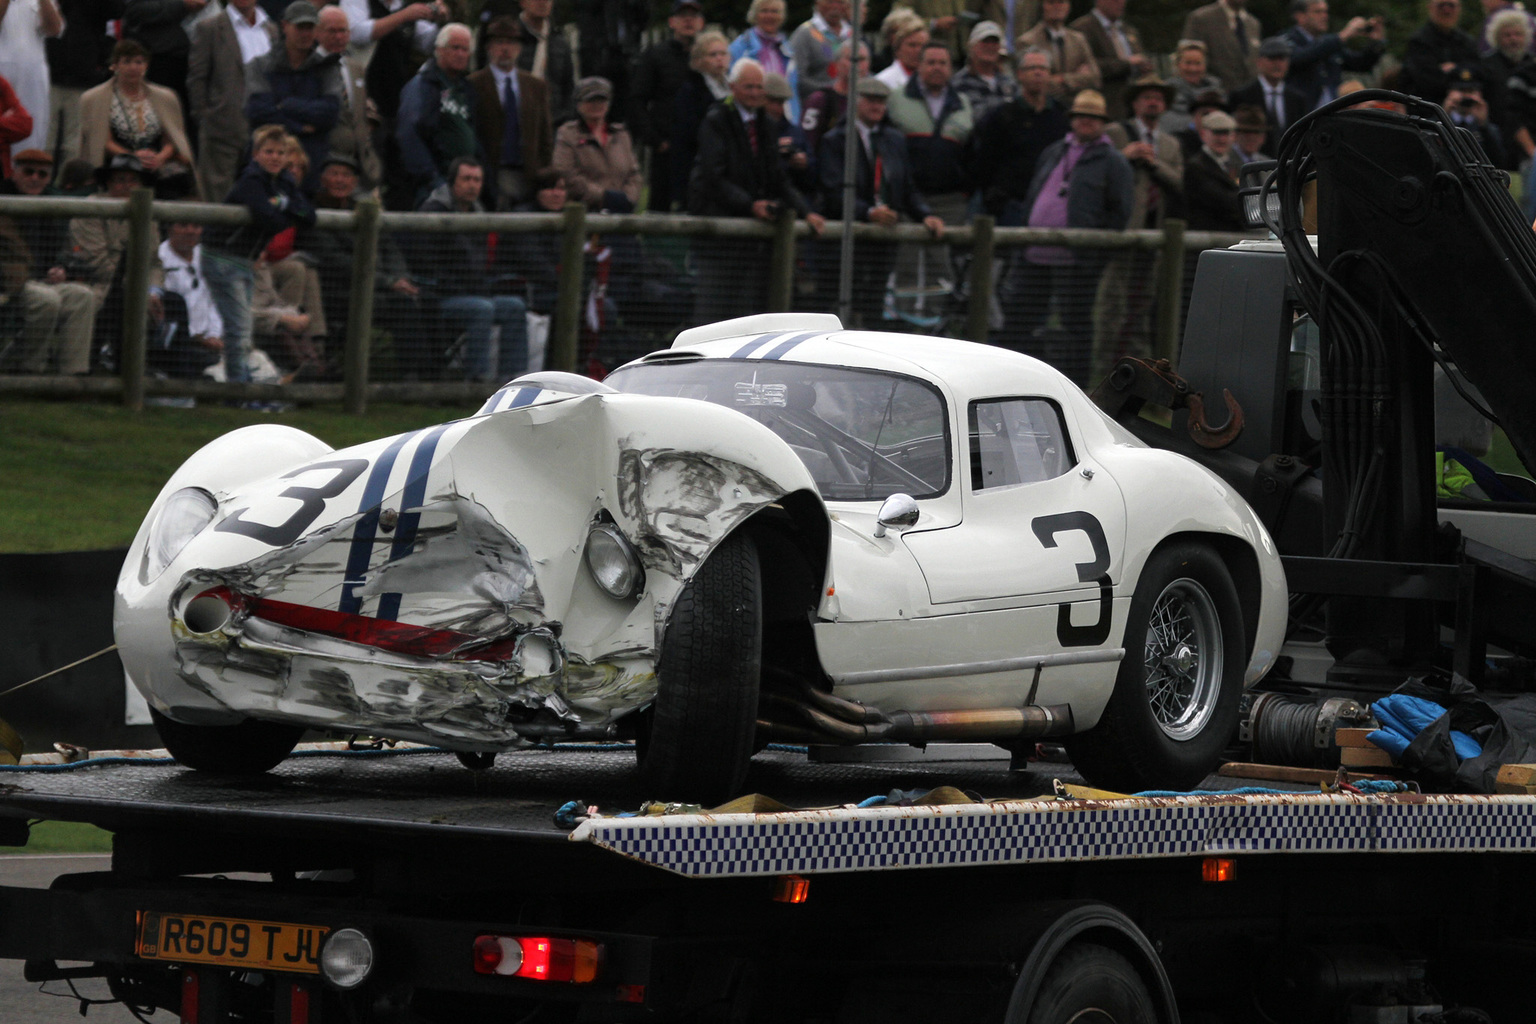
[614,563]
[181,518]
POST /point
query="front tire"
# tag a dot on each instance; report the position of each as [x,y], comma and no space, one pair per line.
[1175,704]
[248,747]
[699,737]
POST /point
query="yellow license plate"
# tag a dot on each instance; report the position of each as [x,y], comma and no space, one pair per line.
[230,942]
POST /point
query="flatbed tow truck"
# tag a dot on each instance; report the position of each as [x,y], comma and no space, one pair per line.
[394,886]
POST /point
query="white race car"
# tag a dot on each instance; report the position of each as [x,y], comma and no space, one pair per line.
[774,530]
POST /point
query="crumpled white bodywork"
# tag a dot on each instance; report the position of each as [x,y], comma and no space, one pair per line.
[474,530]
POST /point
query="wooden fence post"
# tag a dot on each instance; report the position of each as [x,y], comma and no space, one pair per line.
[978,316]
[138,258]
[781,264]
[1170,292]
[359,342]
[565,331]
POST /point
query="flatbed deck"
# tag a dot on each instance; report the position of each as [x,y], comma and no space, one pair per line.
[424,790]
[423,793]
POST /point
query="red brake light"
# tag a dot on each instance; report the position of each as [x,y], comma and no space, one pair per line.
[538,958]
[545,959]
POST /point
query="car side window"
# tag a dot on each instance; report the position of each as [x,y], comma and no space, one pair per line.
[1017,441]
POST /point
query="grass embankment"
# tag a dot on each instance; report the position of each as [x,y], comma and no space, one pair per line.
[79,476]
[64,837]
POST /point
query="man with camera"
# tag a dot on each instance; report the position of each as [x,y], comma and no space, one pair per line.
[1464,100]
[1319,58]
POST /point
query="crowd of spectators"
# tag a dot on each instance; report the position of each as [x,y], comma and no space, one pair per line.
[1015,109]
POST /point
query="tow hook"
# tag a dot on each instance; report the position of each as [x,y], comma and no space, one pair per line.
[1135,382]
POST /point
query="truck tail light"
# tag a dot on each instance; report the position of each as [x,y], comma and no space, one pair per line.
[791,889]
[1218,869]
[539,958]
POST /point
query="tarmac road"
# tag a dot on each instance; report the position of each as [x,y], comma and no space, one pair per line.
[27,1002]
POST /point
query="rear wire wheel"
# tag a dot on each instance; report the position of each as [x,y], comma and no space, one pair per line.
[248,747]
[1175,704]
[699,735]
[1092,984]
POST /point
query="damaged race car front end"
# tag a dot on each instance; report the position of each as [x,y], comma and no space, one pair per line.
[477,585]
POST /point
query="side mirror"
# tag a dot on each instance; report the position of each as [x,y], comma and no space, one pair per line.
[899,511]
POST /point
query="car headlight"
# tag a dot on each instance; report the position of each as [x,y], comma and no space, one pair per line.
[181,518]
[614,563]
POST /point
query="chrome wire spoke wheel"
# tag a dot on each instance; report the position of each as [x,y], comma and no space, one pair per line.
[1183,659]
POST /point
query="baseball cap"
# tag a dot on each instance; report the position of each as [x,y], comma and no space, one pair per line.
[301,12]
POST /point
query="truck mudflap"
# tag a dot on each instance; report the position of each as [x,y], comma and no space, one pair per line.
[1056,830]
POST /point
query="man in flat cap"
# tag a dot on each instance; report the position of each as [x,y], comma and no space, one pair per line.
[512,117]
[794,153]
[1273,92]
[1210,183]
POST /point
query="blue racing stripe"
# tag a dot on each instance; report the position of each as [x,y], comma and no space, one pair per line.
[755,343]
[789,343]
[415,494]
[525,397]
[367,527]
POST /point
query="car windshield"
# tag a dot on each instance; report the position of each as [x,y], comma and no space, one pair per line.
[864,435]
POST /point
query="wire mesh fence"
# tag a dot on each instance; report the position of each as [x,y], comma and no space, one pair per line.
[443,305]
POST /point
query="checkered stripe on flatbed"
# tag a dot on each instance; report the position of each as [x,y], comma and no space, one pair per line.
[850,839]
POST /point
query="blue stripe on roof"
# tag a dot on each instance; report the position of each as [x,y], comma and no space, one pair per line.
[756,343]
[788,343]
[525,396]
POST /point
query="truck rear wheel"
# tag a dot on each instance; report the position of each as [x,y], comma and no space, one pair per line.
[699,736]
[1092,984]
[245,748]
[1175,704]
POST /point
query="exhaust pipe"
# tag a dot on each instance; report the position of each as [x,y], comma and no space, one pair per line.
[981,724]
